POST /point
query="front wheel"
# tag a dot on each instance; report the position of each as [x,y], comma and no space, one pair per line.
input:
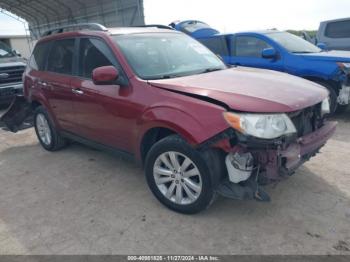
[178,176]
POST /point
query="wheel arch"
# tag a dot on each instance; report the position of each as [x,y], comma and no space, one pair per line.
[333,83]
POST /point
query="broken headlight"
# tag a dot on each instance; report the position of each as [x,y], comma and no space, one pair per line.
[267,126]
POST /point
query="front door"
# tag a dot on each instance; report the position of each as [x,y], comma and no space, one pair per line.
[247,51]
[101,110]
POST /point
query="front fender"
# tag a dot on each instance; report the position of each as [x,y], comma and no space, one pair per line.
[195,127]
[303,67]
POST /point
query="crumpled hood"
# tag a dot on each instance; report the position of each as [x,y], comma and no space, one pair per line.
[336,56]
[249,90]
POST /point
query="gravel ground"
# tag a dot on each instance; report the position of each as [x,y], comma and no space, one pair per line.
[83,201]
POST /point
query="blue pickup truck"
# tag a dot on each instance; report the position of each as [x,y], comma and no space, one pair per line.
[280,51]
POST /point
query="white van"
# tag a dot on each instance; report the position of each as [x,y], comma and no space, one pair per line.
[335,34]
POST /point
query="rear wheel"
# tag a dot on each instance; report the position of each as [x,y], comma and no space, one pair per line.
[178,176]
[48,136]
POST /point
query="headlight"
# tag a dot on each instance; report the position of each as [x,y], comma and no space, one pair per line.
[325,107]
[265,126]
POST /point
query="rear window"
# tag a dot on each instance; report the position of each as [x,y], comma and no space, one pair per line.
[339,29]
[60,58]
[216,44]
[38,58]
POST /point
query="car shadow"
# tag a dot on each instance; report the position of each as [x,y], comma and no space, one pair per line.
[81,200]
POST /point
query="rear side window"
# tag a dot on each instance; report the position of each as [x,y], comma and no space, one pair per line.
[216,44]
[38,58]
[249,46]
[60,58]
[338,29]
[93,53]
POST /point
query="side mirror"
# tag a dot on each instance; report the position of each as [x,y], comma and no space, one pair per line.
[105,75]
[322,46]
[269,53]
[17,53]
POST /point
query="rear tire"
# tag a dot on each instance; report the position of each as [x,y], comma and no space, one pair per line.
[46,132]
[168,166]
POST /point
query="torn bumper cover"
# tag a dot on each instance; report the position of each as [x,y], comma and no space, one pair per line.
[285,158]
[17,113]
[274,159]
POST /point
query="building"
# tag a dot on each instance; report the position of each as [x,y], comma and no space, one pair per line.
[21,43]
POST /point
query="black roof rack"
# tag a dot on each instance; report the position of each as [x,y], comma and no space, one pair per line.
[156,25]
[67,28]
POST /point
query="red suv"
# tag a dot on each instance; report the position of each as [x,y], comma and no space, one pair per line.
[199,127]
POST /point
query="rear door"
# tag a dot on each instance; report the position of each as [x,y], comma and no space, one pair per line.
[218,45]
[247,50]
[56,82]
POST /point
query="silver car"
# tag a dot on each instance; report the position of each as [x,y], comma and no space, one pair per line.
[335,34]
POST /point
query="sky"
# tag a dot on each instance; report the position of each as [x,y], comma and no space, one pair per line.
[232,15]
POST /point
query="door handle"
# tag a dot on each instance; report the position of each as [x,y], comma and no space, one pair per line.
[77,91]
[44,85]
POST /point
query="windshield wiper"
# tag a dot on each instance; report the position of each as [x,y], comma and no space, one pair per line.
[302,52]
[208,70]
[161,77]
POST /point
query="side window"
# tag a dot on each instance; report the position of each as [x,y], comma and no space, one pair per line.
[217,45]
[38,57]
[93,53]
[60,58]
[249,46]
[338,29]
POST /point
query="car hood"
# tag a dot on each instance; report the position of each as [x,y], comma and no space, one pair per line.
[248,90]
[12,61]
[336,56]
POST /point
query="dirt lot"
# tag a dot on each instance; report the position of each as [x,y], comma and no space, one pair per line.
[80,200]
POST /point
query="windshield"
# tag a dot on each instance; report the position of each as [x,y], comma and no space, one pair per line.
[166,55]
[5,51]
[293,43]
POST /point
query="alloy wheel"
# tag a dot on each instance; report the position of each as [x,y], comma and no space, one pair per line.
[43,128]
[177,178]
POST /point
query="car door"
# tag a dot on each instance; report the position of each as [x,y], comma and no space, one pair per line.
[247,50]
[55,83]
[101,110]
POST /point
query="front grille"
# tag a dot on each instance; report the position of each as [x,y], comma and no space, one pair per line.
[7,91]
[11,74]
[307,120]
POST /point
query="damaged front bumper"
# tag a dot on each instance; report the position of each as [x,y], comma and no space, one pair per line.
[273,160]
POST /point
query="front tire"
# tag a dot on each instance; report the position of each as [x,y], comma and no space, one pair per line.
[48,136]
[178,176]
[333,97]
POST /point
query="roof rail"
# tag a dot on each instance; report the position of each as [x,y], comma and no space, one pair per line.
[156,25]
[89,26]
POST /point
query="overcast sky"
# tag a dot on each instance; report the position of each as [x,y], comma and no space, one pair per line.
[233,15]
